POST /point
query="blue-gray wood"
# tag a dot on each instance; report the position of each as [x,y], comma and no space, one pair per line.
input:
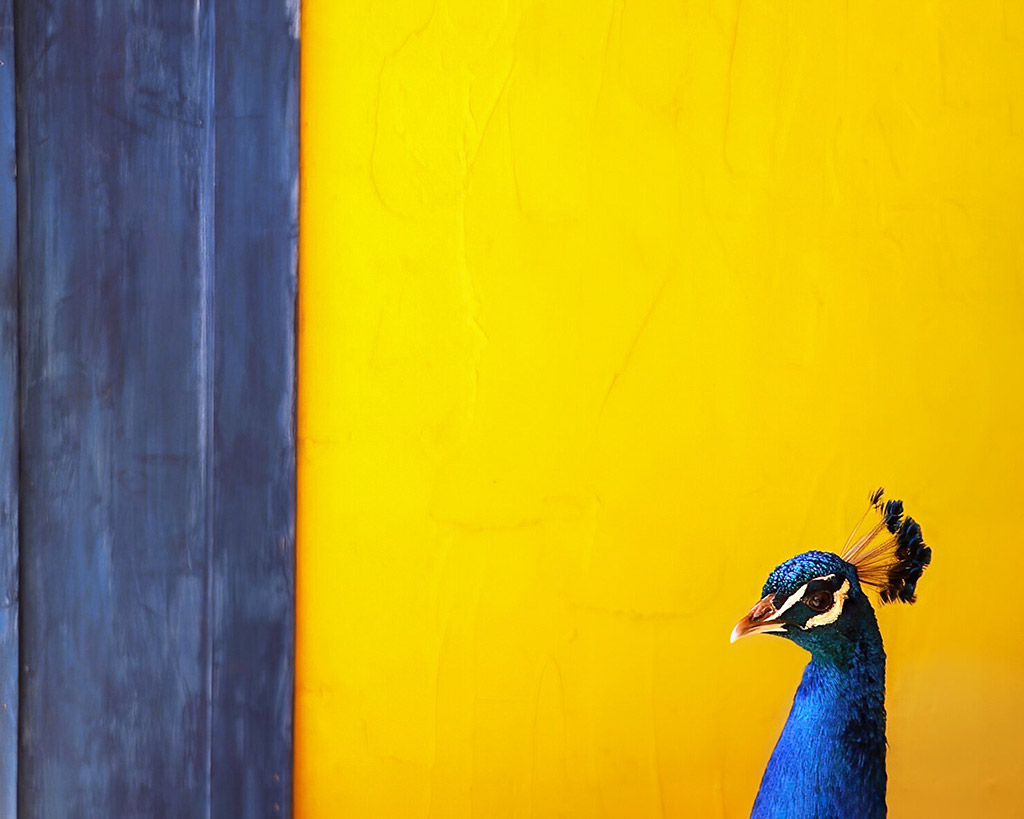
[157,171]
[8,424]
[115,174]
[256,229]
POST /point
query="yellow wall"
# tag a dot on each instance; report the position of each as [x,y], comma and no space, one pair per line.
[606,309]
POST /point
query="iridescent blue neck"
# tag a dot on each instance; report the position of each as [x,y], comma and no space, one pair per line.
[830,759]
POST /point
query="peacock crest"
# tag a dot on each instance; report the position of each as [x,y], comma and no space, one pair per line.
[890,555]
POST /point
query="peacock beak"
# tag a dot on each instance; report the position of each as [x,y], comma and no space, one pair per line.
[759,619]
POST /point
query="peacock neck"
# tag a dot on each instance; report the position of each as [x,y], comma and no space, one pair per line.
[830,759]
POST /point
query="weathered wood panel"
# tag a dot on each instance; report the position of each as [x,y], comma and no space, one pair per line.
[157,391]
[256,228]
[8,424]
[116,182]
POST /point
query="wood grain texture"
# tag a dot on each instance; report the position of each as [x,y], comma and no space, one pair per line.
[157,395]
[256,228]
[8,423]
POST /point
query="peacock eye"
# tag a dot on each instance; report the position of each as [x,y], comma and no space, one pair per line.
[820,601]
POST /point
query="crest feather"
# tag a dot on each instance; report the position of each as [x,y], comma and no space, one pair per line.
[890,556]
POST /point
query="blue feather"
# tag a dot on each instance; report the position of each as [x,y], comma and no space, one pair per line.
[830,759]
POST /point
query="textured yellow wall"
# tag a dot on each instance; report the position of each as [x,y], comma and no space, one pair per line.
[606,309]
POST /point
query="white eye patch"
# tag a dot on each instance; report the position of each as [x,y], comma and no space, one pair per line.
[794,598]
[833,613]
[798,595]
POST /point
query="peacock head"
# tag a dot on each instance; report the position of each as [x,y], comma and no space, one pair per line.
[818,599]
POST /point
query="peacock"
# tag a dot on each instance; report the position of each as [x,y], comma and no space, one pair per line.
[830,759]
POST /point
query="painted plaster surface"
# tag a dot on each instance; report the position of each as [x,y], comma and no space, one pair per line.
[607,308]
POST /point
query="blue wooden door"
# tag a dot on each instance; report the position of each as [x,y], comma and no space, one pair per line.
[152,306]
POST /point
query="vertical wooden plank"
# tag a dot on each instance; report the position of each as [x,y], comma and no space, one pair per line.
[8,424]
[158,443]
[254,477]
[115,207]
